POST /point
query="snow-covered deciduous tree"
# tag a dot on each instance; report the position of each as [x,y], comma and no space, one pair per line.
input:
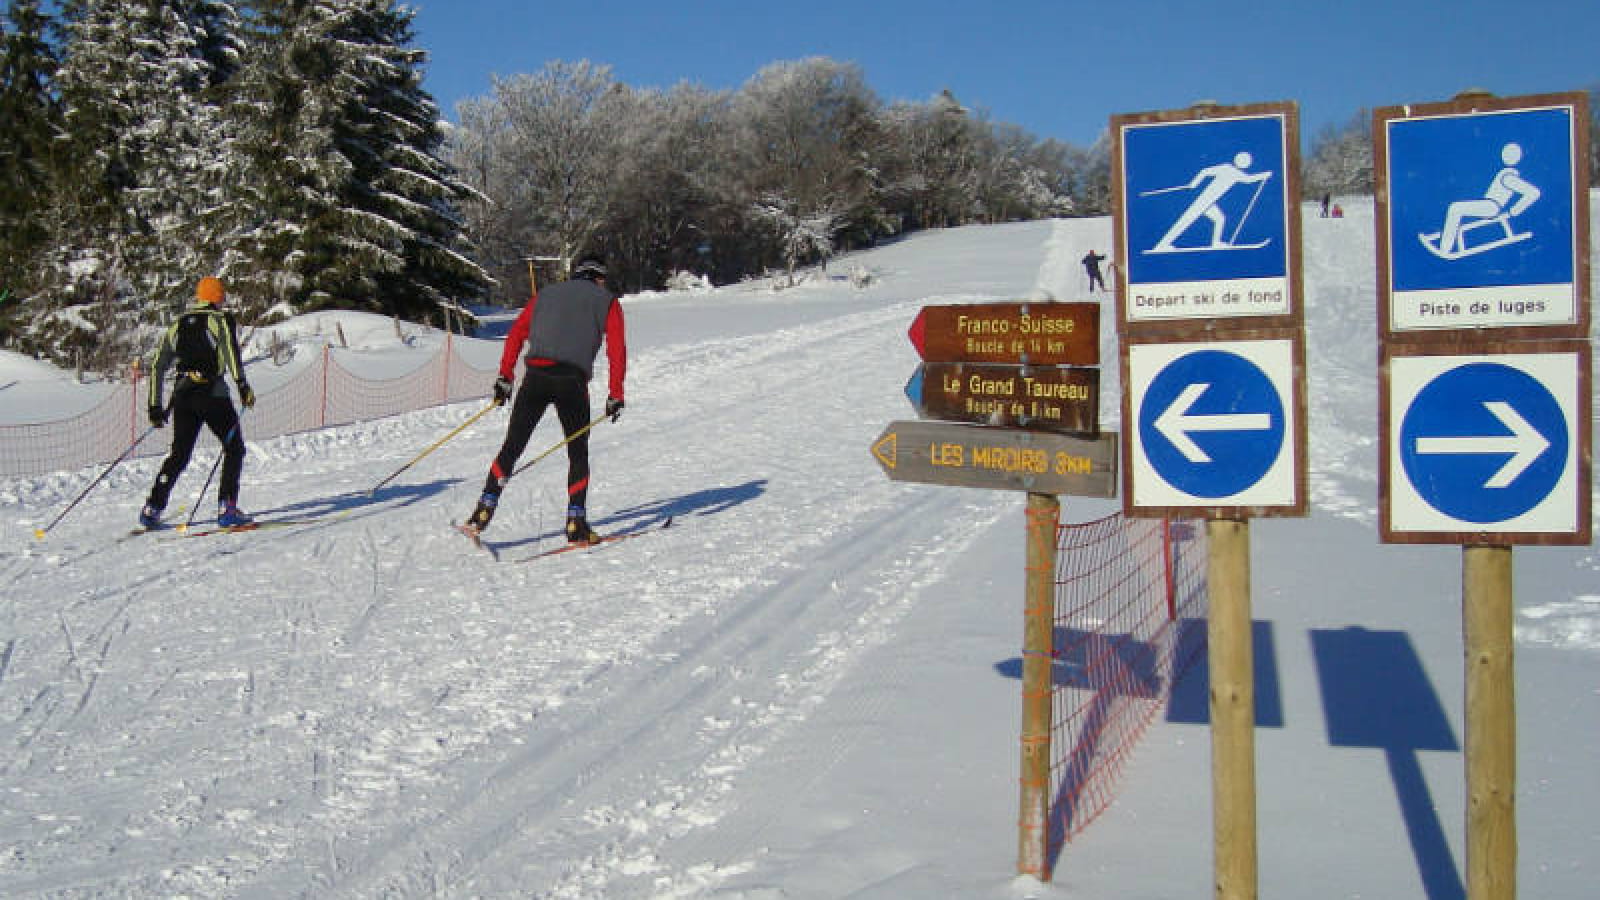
[801,132]
[1340,161]
[562,124]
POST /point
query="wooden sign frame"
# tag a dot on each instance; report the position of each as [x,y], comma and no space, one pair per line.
[1583,430]
[1300,505]
[1465,106]
[1189,327]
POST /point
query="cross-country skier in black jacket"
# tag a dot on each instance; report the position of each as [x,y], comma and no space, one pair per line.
[202,346]
[562,329]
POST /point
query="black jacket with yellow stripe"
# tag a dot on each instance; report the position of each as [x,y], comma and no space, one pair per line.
[221,332]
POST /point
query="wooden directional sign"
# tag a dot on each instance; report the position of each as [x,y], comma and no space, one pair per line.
[1048,398]
[1041,334]
[1003,458]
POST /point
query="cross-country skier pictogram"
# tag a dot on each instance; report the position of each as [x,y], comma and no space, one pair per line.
[1218,180]
[1509,195]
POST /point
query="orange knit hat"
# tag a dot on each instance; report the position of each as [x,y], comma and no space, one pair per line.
[209,290]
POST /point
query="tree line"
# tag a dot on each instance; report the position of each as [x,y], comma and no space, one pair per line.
[801,161]
[1339,157]
[288,146]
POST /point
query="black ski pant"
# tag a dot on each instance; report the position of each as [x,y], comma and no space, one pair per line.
[566,388]
[191,407]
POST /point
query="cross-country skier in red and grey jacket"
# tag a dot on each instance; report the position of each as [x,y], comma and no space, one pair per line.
[562,328]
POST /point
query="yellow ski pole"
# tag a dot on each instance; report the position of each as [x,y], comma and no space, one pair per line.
[39,533]
[436,445]
[562,443]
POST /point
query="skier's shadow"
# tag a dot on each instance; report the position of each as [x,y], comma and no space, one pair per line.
[645,516]
[356,504]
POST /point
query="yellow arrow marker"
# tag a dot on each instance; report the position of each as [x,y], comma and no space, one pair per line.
[886,448]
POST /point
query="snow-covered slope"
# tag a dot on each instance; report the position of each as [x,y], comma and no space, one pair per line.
[792,692]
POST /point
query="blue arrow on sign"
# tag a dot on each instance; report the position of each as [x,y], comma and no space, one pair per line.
[1484,443]
[1212,424]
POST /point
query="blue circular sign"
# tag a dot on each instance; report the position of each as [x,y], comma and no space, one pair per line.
[1484,443]
[1212,424]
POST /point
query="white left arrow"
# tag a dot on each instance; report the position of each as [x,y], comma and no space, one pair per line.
[1176,423]
[1525,444]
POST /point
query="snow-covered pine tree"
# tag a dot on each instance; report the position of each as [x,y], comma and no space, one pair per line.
[138,172]
[410,183]
[27,67]
[347,203]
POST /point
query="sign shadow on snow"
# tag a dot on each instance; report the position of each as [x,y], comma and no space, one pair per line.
[645,516]
[1376,694]
[1191,696]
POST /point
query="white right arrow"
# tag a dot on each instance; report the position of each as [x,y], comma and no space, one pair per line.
[1524,444]
[1176,423]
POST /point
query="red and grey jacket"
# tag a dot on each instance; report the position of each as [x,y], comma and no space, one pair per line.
[566,324]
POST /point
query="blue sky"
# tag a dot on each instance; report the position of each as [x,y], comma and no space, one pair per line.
[1059,69]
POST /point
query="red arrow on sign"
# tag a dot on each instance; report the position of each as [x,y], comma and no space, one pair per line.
[919,332]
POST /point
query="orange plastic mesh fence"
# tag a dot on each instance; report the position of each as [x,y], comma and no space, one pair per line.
[325,392]
[1123,586]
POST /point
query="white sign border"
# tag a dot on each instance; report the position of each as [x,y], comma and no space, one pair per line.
[1277,486]
[1558,513]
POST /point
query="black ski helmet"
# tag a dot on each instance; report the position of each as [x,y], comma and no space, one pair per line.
[590,267]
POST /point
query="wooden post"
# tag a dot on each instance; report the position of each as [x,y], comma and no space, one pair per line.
[1491,751]
[1038,658]
[1232,670]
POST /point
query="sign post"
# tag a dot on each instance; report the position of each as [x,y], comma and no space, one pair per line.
[1020,378]
[1486,398]
[1207,218]
[1038,666]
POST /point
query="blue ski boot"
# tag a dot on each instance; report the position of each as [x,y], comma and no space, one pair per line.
[230,516]
[149,517]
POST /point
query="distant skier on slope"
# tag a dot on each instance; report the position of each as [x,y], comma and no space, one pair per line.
[562,328]
[202,346]
[1091,267]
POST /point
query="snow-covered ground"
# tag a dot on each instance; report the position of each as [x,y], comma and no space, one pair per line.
[795,691]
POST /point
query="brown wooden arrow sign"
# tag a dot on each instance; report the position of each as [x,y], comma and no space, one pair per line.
[1040,334]
[1049,398]
[998,458]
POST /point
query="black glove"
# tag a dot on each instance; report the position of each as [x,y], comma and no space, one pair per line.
[158,417]
[613,407]
[502,390]
[246,396]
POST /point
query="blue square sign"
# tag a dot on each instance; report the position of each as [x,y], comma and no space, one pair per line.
[1206,217]
[1481,222]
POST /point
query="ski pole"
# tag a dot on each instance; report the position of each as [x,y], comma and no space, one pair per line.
[201,497]
[562,443]
[1165,190]
[436,445]
[41,532]
[1246,214]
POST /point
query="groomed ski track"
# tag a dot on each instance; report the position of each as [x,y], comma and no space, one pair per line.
[383,711]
